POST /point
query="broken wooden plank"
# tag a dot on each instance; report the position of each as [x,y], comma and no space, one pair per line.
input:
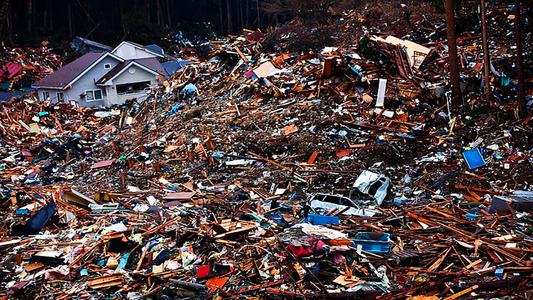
[106,281]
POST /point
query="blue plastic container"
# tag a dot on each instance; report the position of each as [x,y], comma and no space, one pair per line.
[322,219]
[378,243]
[473,158]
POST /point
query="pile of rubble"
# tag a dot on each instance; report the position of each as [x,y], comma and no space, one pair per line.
[21,67]
[332,173]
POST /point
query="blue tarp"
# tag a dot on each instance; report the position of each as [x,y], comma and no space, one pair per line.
[123,261]
[155,48]
[4,96]
[39,220]
[173,66]
[175,108]
[162,257]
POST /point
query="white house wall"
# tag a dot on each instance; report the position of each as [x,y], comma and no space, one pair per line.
[128,51]
[112,96]
[52,94]
[87,82]
[139,75]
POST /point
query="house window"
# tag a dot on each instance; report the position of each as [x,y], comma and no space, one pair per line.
[97,95]
[60,96]
[107,66]
[46,95]
[89,95]
[132,88]
[93,95]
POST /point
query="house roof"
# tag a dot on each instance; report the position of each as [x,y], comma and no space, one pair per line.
[92,44]
[139,46]
[155,48]
[62,77]
[150,63]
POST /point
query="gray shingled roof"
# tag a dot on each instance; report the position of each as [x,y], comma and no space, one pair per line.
[63,76]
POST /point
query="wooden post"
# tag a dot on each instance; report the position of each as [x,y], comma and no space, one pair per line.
[452,55]
[486,55]
[521,100]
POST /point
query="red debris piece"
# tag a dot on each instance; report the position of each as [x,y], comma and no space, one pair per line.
[103,164]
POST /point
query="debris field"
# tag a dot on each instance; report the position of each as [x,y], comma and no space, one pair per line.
[268,172]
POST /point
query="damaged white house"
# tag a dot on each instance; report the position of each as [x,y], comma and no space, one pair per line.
[106,78]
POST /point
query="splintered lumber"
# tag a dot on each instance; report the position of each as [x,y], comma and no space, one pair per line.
[462,293]
[106,281]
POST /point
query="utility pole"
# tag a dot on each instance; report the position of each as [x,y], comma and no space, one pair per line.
[452,55]
[486,57]
[520,59]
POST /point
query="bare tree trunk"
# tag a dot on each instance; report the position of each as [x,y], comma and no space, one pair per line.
[486,55]
[520,60]
[51,16]
[258,7]
[228,16]
[70,29]
[452,55]
[221,14]
[147,11]
[241,14]
[169,18]
[158,6]
[5,23]
[45,16]
[122,19]
[30,16]
[247,9]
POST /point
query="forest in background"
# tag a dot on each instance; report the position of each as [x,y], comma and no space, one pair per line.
[27,22]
